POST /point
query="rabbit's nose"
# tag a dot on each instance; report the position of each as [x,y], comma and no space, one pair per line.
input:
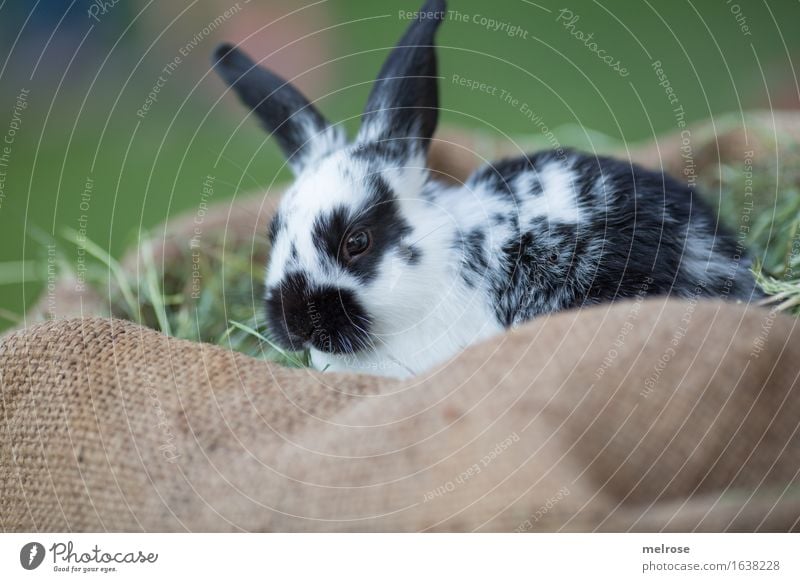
[287,315]
[329,318]
[301,329]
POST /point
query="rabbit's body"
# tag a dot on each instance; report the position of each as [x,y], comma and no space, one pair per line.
[536,235]
[564,229]
[376,267]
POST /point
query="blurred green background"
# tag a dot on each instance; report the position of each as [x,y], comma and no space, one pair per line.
[88,68]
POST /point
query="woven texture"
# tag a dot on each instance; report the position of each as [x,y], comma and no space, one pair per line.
[110,426]
[643,415]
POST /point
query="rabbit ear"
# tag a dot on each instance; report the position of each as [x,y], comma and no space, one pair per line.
[403,104]
[302,133]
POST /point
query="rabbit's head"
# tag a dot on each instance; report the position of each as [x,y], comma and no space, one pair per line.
[348,256]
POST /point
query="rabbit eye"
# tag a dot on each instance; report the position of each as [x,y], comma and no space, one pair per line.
[356,243]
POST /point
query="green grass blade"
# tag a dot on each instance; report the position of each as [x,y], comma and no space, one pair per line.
[277,348]
[153,289]
[113,265]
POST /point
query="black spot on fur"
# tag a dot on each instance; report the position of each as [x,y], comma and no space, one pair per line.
[328,318]
[275,226]
[414,255]
[474,263]
[500,177]
[380,215]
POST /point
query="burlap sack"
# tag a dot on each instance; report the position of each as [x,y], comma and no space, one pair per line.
[644,415]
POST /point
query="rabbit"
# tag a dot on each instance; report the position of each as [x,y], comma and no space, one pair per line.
[377,267]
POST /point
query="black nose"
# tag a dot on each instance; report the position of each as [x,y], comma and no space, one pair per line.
[330,319]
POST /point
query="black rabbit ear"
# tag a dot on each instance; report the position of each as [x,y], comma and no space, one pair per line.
[300,129]
[403,105]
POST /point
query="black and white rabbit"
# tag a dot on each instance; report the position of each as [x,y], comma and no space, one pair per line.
[376,267]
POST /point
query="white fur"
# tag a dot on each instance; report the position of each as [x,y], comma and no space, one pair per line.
[558,200]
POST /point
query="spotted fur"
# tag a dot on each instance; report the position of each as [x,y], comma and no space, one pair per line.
[451,265]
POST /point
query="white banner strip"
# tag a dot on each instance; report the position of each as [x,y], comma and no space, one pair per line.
[401,557]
